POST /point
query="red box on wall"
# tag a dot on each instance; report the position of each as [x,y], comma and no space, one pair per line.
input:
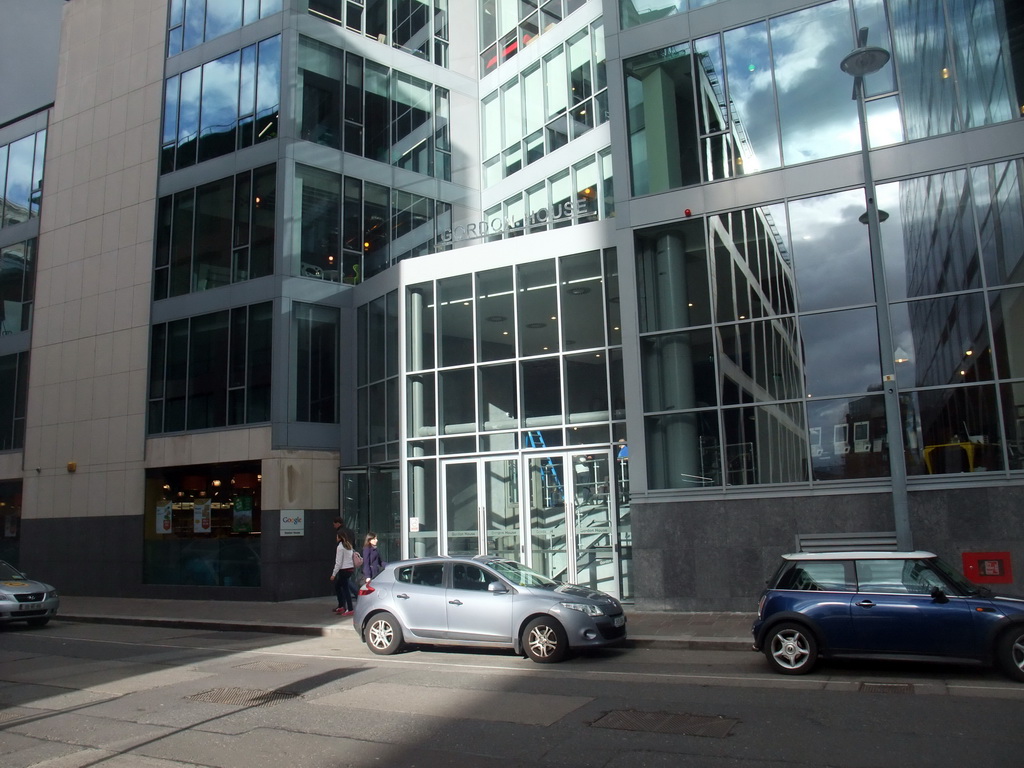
[988,567]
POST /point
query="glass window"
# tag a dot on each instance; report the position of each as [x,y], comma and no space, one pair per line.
[847,438]
[682,449]
[14,400]
[496,314]
[586,388]
[659,119]
[751,93]
[537,305]
[541,388]
[1007,308]
[582,301]
[818,575]
[17,286]
[455,320]
[959,430]
[928,239]
[942,341]
[760,361]
[679,371]
[841,352]
[319,93]
[457,401]
[556,83]
[318,198]
[673,277]
[211,263]
[202,525]
[316,365]
[830,250]
[922,50]
[499,409]
[818,117]
[1000,216]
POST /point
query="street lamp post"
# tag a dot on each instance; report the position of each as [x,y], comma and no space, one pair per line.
[859,63]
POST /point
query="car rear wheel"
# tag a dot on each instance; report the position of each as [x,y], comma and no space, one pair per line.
[384,634]
[545,641]
[1010,653]
[791,649]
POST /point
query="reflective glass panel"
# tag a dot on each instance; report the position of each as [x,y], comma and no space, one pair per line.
[830,250]
[763,445]
[683,450]
[942,341]
[818,117]
[959,431]
[752,94]
[679,371]
[673,277]
[1000,215]
[841,352]
[847,438]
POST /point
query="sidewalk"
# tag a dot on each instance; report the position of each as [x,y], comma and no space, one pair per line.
[312,616]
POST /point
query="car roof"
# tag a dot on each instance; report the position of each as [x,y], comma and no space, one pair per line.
[859,555]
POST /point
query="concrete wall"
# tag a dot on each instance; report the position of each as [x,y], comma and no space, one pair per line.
[703,555]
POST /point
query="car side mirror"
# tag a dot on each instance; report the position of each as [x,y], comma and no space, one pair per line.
[938,595]
[497,588]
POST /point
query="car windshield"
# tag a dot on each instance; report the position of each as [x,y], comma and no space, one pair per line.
[8,571]
[957,579]
[522,576]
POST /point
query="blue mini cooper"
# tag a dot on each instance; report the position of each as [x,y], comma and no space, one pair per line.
[904,605]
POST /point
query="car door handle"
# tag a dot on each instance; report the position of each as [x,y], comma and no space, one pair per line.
[866,604]
[402,596]
[456,601]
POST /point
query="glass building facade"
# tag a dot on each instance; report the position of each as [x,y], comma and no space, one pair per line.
[583,284]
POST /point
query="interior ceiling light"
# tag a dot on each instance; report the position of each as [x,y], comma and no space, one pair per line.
[536,325]
[579,290]
[497,319]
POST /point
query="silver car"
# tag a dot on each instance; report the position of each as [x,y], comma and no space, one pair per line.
[24,599]
[485,602]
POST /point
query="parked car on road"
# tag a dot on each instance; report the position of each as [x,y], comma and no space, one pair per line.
[903,605]
[24,599]
[484,602]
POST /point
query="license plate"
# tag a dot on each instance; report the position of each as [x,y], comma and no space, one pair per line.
[28,606]
[619,621]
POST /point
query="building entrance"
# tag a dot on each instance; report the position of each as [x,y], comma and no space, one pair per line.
[556,512]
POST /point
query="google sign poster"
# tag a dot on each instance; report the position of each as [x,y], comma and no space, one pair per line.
[293,522]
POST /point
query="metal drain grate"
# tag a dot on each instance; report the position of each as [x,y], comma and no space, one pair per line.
[243,697]
[6,717]
[667,722]
[887,687]
[271,666]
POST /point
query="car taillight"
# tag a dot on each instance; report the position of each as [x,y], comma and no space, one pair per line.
[760,606]
[366,590]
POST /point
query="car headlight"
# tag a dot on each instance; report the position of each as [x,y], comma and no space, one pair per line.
[5,595]
[587,608]
[51,594]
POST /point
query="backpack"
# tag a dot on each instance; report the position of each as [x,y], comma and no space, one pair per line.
[357,559]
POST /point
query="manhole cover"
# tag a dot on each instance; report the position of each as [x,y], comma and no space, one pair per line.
[887,688]
[243,697]
[667,722]
[271,666]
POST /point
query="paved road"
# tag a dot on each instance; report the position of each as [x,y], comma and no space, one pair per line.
[77,694]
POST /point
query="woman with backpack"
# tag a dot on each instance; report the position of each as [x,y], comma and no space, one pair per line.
[344,564]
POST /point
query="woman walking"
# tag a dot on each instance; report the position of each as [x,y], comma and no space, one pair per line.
[373,563]
[341,574]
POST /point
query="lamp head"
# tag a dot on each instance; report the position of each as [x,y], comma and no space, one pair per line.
[864,61]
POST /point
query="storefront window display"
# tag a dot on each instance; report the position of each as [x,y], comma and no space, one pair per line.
[203,525]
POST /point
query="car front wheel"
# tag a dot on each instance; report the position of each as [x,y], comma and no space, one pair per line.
[1010,653]
[384,634]
[791,649]
[545,641]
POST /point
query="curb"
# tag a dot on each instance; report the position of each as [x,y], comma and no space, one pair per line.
[318,630]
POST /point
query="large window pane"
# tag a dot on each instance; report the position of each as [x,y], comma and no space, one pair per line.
[848,438]
[830,250]
[763,445]
[660,120]
[959,430]
[455,320]
[818,117]
[673,277]
[752,95]
[683,450]
[841,352]
[499,409]
[1000,215]
[582,301]
[537,305]
[496,314]
[679,371]
[928,240]
[941,341]
[316,364]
